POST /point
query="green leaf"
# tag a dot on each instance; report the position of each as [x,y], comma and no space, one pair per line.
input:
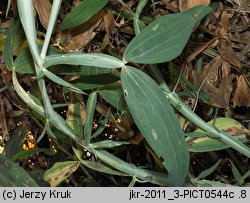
[89,59]
[207,172]
[83,12]
[15,143]
[101,168]
[165,38]
[60,81]
[12,175]
[114,97]
[97,166]
[9,44]
[74,119]
[157,121]
[26,97]
[210,183]
[107,144]
[26,14]
[24,154]
[24,63]
[207,144]
[236,174]
[246,175]
[138,24]
[90,111]
[102,125]
[132,170]
[60,171]
[86,82]
[91,70]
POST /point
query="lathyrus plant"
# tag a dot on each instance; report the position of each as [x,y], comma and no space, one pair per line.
[149,101]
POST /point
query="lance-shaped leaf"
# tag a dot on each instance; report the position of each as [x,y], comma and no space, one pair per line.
[91,104]
[60,81]
[83,12]
[165,38]
[12,175]
[26,14]
[208,144]
[90,59]
[9,44]
[157,121]
[60,171]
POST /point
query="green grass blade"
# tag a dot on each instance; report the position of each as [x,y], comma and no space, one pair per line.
[207,172]
[60,81]
[55,118]
[74,118]
[157,121]
[13,175]
[87,82]
[236,174]
[26,97]
[89,59]
[91,104]
[52,19]
[25,154]
[246,175]
[165,38]
[132,170]
[9,44]
[107,144]
[114,97]
[15,143]
[83,12]
[26,14]
[138,24]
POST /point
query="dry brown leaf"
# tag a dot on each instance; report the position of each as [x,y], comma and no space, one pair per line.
[224,45]
[43,8]
[200,50]
[3,123]
[186,4]
[109,24]
[80,36]
[223,25]
[227,53]
[242,93]
[226,82]
[218,86]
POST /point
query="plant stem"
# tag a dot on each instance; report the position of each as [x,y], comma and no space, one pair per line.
[191,116]
[53,16]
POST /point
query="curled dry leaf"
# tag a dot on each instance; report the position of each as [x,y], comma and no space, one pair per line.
[242,93]
[43,8]
[186,4]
